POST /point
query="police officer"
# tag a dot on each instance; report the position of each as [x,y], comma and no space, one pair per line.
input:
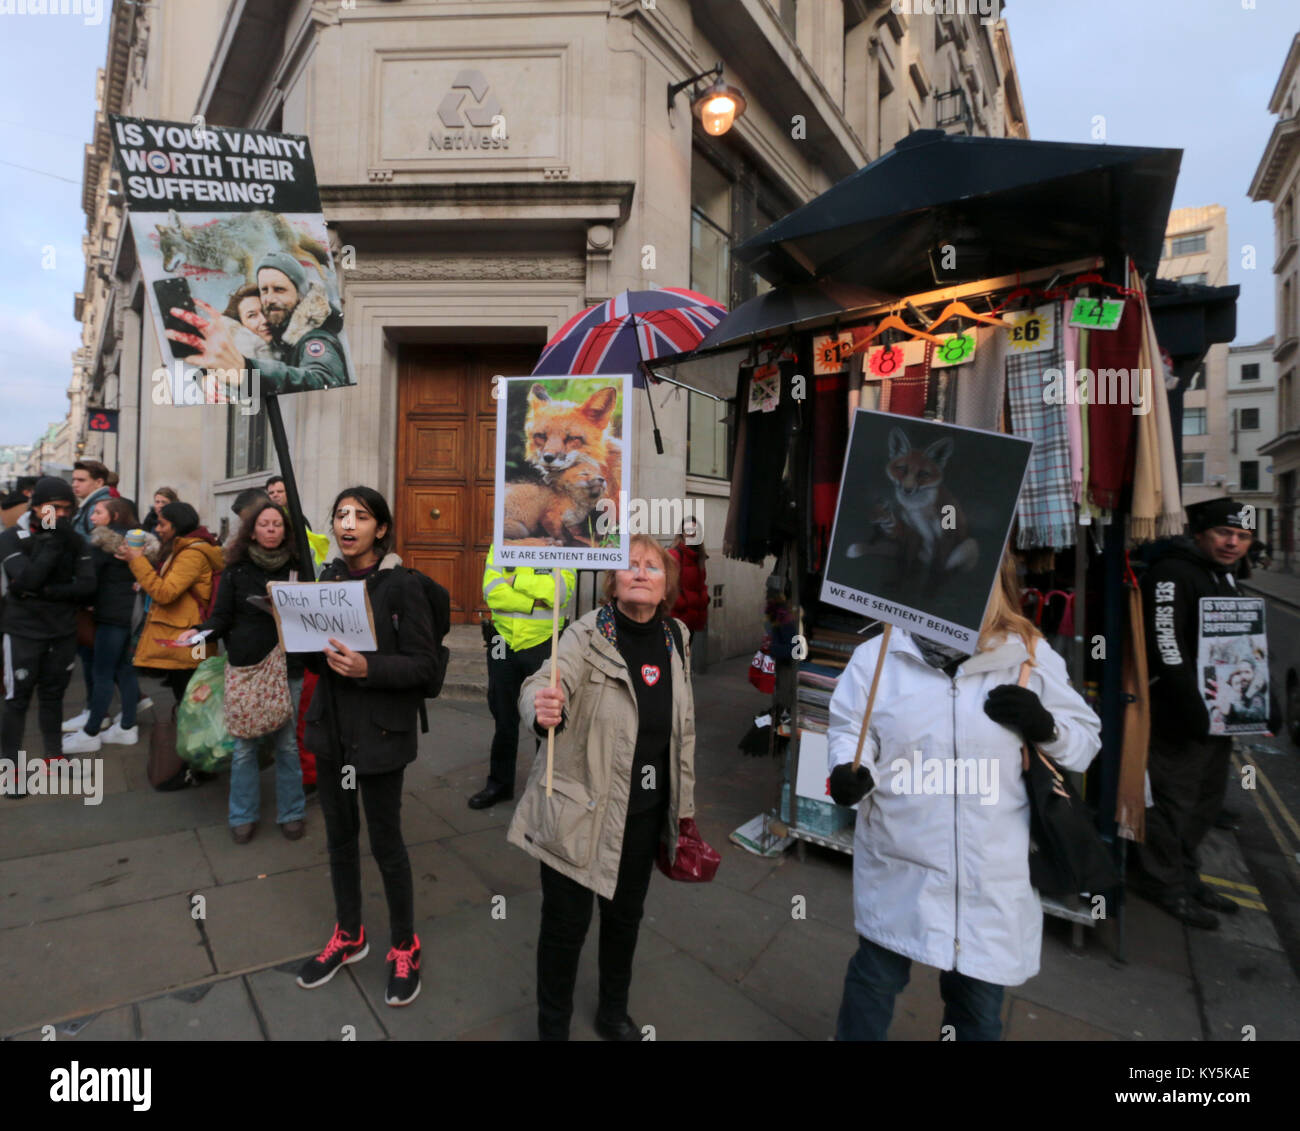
[521,600]
[1188,766]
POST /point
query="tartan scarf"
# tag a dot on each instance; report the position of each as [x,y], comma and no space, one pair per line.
[1046,506]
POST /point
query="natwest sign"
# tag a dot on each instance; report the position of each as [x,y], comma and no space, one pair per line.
[469,116]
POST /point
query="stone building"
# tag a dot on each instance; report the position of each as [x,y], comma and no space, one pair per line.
[462,253]
[1252,424]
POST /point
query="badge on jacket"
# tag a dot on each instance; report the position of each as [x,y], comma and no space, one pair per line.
[650,673]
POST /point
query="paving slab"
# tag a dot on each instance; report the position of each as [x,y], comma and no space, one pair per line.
[505,869]
[291,1013]
[58,885]
[98,960]
[112,1025]
[1242,985]
[254,922]
[800,976]
[268,853]
[450,803]
[217,1011]
[443,882]
[1029,1022]
[1153,937]
[420,823]
[824,879]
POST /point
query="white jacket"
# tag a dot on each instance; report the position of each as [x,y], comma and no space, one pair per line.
[941,852]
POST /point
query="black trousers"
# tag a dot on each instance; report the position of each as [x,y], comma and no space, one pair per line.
[1188,783]
[43,667]
[566,915]
[381,794]
[505,680]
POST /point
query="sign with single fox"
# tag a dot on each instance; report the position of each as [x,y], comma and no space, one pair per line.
[921,523]
[561,487]
[236,261]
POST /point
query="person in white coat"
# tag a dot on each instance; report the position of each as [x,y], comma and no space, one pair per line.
[941,851]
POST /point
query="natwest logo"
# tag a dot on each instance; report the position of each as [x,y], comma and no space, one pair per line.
[469,116]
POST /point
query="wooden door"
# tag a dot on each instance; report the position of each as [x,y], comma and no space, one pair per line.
[446,453]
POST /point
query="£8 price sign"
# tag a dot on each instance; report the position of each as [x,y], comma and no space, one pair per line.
[956,349]
[885,361]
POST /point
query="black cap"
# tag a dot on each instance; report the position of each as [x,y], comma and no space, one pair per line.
[1220,512]
[52,489]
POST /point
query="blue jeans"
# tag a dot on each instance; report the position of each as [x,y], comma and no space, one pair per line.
[876,975]
[112,665]
[246,793]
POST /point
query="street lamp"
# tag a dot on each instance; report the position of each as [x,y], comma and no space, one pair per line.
[718,105]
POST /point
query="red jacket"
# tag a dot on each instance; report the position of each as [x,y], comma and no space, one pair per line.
[692,607]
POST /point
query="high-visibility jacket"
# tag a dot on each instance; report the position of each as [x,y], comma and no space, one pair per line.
[521,598]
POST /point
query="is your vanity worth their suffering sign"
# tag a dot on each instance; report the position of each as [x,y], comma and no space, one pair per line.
[309,614]
[209,206]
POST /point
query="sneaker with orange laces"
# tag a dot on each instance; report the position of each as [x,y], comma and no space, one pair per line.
[339,951]
[404,974]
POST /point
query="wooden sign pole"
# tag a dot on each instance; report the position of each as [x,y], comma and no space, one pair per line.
[555,672]
[871,695]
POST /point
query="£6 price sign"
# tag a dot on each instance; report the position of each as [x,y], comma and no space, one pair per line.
[1031,330]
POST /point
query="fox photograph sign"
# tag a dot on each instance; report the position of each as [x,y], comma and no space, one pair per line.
[922,519]
[561,486]
[236,261]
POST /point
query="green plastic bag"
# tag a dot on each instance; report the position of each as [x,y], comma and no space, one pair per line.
[202,740]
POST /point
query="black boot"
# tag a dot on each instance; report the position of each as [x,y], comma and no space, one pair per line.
[1189,910]
[1206,896]
[616,1026]
[490,795]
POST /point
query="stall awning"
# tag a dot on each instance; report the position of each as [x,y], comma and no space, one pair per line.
[1189,318]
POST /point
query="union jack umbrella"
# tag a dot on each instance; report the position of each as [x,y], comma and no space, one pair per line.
[631,328]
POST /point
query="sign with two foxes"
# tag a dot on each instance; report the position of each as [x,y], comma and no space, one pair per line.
[236,261]
[921,523]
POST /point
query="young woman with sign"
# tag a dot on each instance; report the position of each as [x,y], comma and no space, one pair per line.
[362,726]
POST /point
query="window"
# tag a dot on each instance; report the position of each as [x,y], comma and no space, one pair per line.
[1187,245]
[1199,277]
[788,14]
[1193,469]
[1248,420]
[1193,422]
[708,437]
[1250,371]
[245,443]
[1249,475]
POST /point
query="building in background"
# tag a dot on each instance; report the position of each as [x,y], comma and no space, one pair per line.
[1252,423]
[1277,179]
[462,260]
[1196,253]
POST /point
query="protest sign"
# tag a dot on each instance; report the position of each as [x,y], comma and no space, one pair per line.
[309,614]
[1232,657]
[921,523]
[561,485]
[235,257]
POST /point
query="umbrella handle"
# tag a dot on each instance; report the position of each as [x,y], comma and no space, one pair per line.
[645,373]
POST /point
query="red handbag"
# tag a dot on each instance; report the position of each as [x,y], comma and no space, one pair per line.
[697,862]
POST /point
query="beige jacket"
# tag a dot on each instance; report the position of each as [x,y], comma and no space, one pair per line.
[578,830]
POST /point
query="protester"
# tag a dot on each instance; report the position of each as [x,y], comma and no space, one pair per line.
[692,607]
[521,600]
[114,602]
[178,590]
[91,481]
[623,779]
[262,552]
[943,878]
[45,573]
[161,498]
[362,722]
[275,489]
[1188,767]
[14,505]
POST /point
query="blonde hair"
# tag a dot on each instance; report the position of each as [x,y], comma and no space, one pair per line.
[1003,617]
[672,571]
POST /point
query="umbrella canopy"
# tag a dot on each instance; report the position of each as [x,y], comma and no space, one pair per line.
[1002,205]
[803,305]
[635,326]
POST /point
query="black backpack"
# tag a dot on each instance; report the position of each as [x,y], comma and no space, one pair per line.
[440,609]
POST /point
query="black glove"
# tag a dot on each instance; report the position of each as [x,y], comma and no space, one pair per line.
[849,786]
[1022,710]
[61,532]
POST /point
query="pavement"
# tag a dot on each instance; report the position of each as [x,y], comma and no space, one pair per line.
[139,919]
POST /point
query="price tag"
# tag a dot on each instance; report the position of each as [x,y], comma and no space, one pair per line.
[890,361]
[1031,330]
[957,349]
[831,353]
[765,389]
[1097,313]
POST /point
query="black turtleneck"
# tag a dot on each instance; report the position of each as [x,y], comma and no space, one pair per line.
[645,652]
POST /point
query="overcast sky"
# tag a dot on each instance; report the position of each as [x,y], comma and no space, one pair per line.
[1190,74]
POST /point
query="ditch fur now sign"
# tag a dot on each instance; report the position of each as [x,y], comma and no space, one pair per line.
[921,523]
[309,614]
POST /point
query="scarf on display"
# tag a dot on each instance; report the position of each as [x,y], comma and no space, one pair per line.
[270,560]
[1111,427]
[1130,797]
[905,395]
[977,402]
[1073,417]
[1046,508]
[830,438]
[1170,517]
[1145,507]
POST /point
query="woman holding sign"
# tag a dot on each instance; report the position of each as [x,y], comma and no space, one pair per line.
[623,782]
[941,851]
[262,552]
[362,726]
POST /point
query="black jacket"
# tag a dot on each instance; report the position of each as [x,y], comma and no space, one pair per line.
[47,574]
[1172,588]
[248,631]
[375,718]
[115,593]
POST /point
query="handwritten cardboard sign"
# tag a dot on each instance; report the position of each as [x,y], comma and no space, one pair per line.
[308,614]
